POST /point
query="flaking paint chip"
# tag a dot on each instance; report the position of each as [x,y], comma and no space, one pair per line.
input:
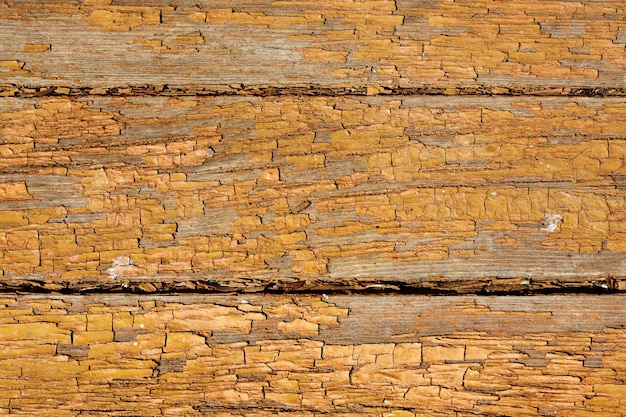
[551,222]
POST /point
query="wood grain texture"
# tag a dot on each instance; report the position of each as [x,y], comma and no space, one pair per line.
[495,45]
[306,355]
[460,194]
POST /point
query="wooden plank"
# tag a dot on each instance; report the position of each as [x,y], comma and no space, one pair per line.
[312,355]
[464,194]
[369,47]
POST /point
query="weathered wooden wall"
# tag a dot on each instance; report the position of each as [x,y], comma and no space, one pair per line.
[312,152]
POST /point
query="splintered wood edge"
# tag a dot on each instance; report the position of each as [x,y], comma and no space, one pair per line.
[381,285]
[33,91]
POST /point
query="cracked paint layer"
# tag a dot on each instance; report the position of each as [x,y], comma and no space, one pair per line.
[296,193]
[369,355]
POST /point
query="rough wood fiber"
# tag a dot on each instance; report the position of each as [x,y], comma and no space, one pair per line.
[313,356]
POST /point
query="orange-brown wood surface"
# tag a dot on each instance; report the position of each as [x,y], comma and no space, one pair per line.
[384,44]
[312,355]
[418,193]
[458,194]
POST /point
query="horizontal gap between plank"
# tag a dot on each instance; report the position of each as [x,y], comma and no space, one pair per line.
[24,91]
[598,288]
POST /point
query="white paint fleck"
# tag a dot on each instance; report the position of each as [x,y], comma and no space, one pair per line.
[135,343]
[141,326]
[494,193]
[525,282]
[118,267]
[245,302]
[551,222]
[605,286]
